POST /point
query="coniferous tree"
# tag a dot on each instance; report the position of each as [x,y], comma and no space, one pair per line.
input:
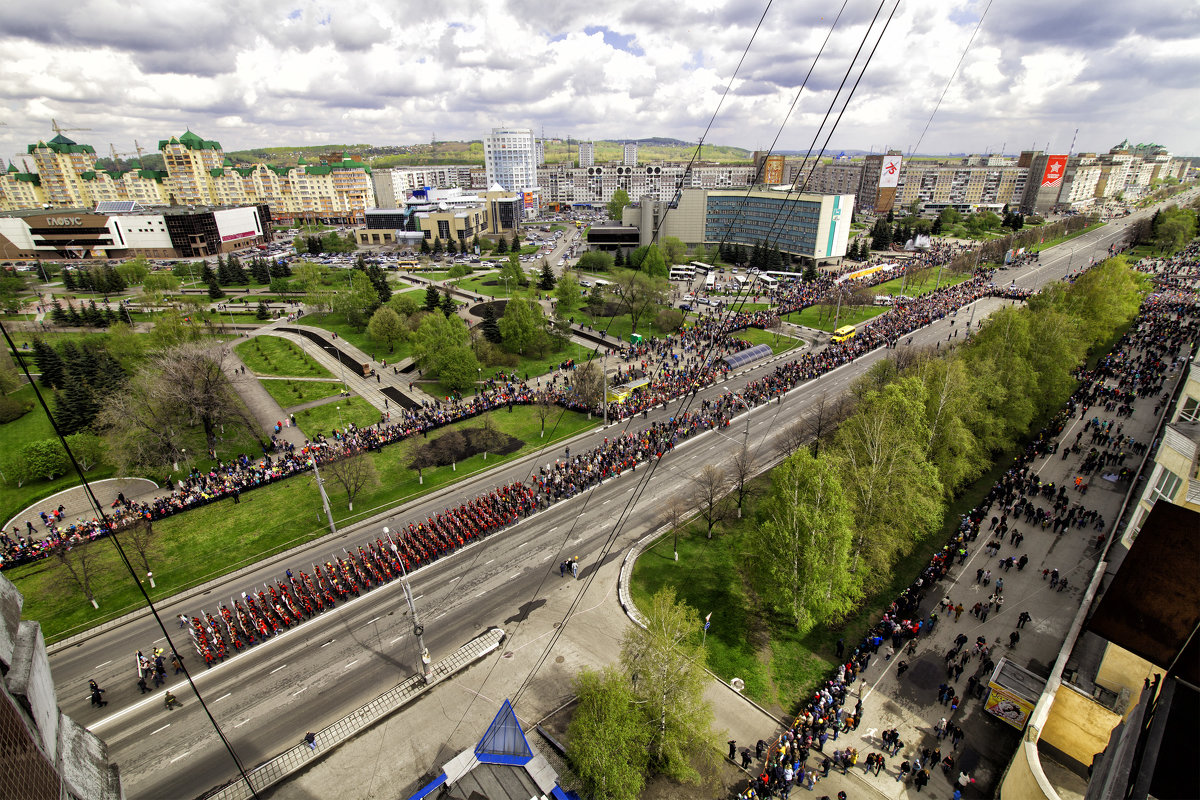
[448,305]
[68,276]
[516,242]
[206,274]
[432,298]
[58,314]
[262,312]
[619,258]
[74,318]
[501,246]
[546,281]
[49,364]
[490,327]
[214,291]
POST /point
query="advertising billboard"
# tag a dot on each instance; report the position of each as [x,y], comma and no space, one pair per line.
[528,200]
[1008,706]
[889,173]
[1055,167]
[235,224]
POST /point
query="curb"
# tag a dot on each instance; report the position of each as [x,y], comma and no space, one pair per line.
[328,739]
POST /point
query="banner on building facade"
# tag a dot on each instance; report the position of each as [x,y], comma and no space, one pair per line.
[889,173]
[1055,167]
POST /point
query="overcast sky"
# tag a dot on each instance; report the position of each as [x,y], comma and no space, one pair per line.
[253,73]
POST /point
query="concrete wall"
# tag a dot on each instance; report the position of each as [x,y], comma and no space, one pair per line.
[11,604]
[1121,669]
[1024,779]
[1078,726]
[31,684]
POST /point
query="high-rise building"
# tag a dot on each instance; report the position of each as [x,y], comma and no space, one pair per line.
[508,155]
[61,163]
[587,154]
[190,162]
[630,159]
[540,152]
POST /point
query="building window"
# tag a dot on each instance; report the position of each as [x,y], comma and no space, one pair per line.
[1166,486]
[1189,411]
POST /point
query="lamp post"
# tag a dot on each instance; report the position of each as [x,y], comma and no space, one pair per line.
[418,629]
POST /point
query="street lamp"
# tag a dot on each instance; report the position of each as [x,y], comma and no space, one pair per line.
[341,425]
[418,629]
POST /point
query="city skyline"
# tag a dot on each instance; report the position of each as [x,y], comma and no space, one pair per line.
[293,74]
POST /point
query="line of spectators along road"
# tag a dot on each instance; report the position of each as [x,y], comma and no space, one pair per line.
[670,379]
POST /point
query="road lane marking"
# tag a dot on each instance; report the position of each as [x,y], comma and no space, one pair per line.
[459,578]
[331,641]
[160,730]
[481,594]
[222,697]
[176,758]
[393,641]
[240,724]
[547,558]
[281,666]
[351,664]
[514,577]
[522,544]
[105,664]
[488,562]
[439,616]
[302,689]
[371,622]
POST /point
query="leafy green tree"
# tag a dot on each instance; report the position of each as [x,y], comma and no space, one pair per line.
[620,199]
[669,663]
[523,327]
[895,495]
[134,271]
[673,250]
[404,304]
[512,272]
[87,448]
[46,458]
[802,549]
[638,293]
[357,302]
[608,736]
[440,347]
[1175,228]
[951,445]
[567,293]
[595,261]
[654,265]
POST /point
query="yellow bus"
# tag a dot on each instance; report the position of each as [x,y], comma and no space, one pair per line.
[843,333]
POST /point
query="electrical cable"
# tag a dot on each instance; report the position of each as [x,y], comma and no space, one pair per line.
[112,536]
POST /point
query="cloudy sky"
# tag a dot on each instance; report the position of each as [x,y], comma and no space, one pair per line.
[253,73]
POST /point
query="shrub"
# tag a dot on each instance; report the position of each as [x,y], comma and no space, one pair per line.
[11,408]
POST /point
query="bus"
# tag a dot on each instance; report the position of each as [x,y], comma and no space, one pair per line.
[844,333]
[702,268]
[767,282]
[682,273]
[710,281]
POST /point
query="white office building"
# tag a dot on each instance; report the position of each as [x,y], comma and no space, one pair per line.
[510,158]
[630,159]
[587,154]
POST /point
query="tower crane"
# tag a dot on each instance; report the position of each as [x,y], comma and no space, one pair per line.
[59,129]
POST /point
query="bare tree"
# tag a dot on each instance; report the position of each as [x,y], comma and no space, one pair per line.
[674,514]
[141,539]
[82,565]
[423,458]
[544,407]
[708,496]
[822,420]
[588,380]
[354,473]
[792,438]
[741,471]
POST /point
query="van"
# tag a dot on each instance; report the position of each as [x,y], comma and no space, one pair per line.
[844,333]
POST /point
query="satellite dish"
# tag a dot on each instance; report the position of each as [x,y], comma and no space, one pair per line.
[738,684]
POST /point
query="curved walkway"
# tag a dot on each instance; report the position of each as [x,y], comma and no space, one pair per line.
[76,504]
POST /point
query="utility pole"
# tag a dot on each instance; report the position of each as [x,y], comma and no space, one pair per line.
[418,629]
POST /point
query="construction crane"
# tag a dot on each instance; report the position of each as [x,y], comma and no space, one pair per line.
[59,129]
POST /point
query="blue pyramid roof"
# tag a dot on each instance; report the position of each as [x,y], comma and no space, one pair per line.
[504,742]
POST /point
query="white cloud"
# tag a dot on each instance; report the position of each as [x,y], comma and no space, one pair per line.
[266,72]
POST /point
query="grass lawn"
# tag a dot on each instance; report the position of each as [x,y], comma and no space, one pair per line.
[620,326]
[208,542]
[822,317]
[926,283]
[478,285]
[271,355]
[1043,245]
[779,344]
[293,393]
[325,418]
[360,339]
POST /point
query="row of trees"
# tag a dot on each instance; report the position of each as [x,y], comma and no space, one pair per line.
[1168,230]
[867,477]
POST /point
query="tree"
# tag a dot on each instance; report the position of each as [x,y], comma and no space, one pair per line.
[489,326]
[214,291]
[881,236]
[595,261]
[895,495]
[741,470]
[433,297]
[448,306]
[46,458]
[567,293]
[441,349]
[523,327]
[139,537]
[546,280]
[670,682]
[608,736]
[501,246]
[1175,228]
[673,250]
[353,473]
[183,386]
[802,548]
[544,407]
[358,302]
[637,293]
[708,491]
[515,244]
[262,312]
[87,449]
[620,199]
[49,364]
[654,264]
[387,327]
[81,564]
[588,383]
[822,419]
